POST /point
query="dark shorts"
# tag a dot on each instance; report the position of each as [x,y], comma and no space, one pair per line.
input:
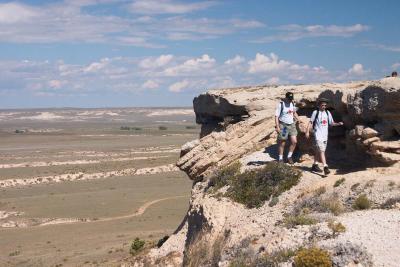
[287,130]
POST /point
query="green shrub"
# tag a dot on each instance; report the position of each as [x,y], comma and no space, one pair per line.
[137,245]
[190,127]
[336,227]
[339,182]
[291,221]
[136,128]
[125,128]
[332,204]
[162,128]
[275,258]
[319,191]
[224,175]
[312,257]
[252,188]
[362,203]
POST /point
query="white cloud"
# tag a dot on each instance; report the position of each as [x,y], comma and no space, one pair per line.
[357,69]
[167,6]
[56,84]
[235,61]
[69,21]
[273,80]
[384,47]
[150,84]
[178,86]
[15,13]
[191,66]
[96,66]
[295,32]
[265,64]
[396,65]
[149,63]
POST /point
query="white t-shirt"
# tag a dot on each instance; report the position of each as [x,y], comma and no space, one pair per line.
[321,124]
[287,112]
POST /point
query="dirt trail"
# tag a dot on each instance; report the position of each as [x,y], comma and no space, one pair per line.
[140,211]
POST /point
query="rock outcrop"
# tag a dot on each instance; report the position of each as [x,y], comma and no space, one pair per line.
[238,125]
[240,120]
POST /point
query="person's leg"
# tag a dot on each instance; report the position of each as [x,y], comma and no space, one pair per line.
[293,143]
[323,158]
[317,157]
[281,147]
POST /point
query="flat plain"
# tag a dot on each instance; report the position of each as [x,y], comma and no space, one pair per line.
[78,185]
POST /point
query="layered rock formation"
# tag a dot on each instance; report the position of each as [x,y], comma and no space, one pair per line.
[238,124]
[240,120]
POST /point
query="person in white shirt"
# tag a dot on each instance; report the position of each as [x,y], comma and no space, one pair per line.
[285,115]
[320,121]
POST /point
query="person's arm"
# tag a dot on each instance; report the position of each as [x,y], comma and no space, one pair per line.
[277,115]
[296,116]
[310,123]
[308,129]
[332,122]
[277,128]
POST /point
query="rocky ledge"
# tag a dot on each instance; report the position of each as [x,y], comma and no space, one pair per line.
[238,126]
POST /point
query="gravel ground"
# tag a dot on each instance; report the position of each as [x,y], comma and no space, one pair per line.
[376,230]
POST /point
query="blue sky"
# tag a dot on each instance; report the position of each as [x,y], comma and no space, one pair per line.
[109,53]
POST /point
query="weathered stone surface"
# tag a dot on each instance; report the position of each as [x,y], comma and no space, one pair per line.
[368,133]
[358,130]
[251,137]
[252,110]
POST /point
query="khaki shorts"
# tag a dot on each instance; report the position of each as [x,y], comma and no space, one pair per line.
[320,146]
[287,130]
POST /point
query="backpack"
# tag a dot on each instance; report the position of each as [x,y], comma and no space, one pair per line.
[316,118]
[280,113]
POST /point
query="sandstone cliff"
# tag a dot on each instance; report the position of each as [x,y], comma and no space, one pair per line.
[238,124]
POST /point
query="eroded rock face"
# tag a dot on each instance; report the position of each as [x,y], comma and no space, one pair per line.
[238,124]
[240,120]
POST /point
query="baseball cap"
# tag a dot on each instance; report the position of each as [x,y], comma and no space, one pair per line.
[289,95]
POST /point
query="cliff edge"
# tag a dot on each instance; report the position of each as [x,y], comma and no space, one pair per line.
[353,214]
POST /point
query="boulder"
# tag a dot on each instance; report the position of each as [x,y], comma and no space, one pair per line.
[368,133]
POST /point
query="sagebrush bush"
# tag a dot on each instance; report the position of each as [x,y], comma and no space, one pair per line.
[332,204]
[319,203]
[362,203]
[253,188]
[339,182]
[224,175]
[291,221]
[336,228]
[137,245]
[275,258]
[312,257]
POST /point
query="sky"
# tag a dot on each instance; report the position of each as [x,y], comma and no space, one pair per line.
[127,53]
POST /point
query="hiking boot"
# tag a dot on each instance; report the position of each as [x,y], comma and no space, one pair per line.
[316,168]
[326,170]
[280,160]
[290,161]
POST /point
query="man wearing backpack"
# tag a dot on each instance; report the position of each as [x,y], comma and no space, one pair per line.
[320,121]
[285,126]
